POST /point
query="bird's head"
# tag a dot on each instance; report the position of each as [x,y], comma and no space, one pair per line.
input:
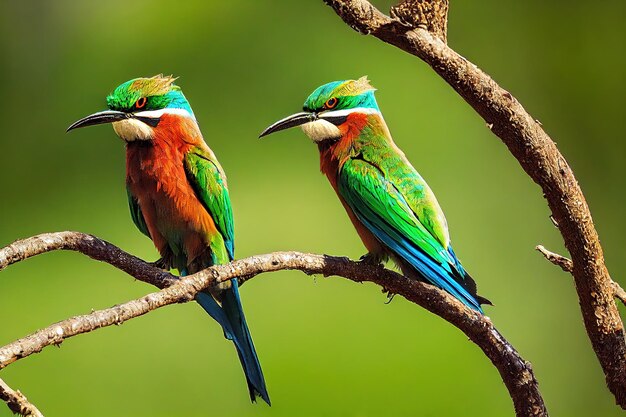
[329,107]
[136,107]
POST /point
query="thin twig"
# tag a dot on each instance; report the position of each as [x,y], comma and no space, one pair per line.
[559,260]
[540,159]
[17,402]
[516,373]
[619,292]
[566,265]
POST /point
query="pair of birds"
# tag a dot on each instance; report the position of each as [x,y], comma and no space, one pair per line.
[178,195]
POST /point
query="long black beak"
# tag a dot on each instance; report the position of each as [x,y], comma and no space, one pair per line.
[290,121]
[107,116]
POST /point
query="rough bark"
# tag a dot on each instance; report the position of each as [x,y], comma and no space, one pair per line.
[427,14]
[17,402]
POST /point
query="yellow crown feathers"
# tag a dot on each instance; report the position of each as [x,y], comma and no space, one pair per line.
[355,87]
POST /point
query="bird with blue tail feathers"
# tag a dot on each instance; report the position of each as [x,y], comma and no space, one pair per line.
[392,208]
[178,197]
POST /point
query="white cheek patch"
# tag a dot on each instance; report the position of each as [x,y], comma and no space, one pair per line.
[158,113]
[132,129]
[347,112]
[320,130]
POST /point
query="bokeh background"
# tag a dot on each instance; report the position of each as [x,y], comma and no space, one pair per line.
[328,347]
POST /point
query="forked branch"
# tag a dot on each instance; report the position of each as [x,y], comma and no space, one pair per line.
[516,373]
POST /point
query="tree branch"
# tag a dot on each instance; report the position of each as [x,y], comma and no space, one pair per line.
[559,260]
[619,292]
[427,14]
[89,245]
[516,373]
[566,265]
[538,156]
[17,402]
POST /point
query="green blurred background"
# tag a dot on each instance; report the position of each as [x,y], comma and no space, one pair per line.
[328,347]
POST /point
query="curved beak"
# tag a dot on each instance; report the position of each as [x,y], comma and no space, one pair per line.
[290,121]
[107,116]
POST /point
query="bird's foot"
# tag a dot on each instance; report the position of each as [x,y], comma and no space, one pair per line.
[372,259]
[389,295]
[162,263]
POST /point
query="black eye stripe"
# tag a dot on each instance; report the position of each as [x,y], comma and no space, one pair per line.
[150,121]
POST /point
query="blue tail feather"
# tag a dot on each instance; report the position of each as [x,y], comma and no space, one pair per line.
[434,273]
[230,316]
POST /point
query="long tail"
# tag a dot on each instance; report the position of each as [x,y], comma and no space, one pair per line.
[230,316]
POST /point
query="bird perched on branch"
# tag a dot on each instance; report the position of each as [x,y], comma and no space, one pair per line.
[392,208]
[178,197]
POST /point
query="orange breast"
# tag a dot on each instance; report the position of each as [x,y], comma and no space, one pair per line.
[176,219]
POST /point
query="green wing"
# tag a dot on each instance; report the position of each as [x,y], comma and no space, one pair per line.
[383,208]
[209,182]
[368,191]
[136,214]
[415,191]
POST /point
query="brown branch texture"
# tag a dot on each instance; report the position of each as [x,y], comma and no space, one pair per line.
[17,402]
[516,373]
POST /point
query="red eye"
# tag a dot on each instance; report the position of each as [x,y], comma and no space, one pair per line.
[331,103]
[141,103]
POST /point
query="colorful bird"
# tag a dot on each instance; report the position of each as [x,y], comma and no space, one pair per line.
[392,208]
[178,197]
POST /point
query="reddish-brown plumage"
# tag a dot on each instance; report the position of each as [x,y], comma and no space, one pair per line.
[332,156]
[155,175]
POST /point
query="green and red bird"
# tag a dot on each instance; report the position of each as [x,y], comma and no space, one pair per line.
[178,197]
[392,208]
